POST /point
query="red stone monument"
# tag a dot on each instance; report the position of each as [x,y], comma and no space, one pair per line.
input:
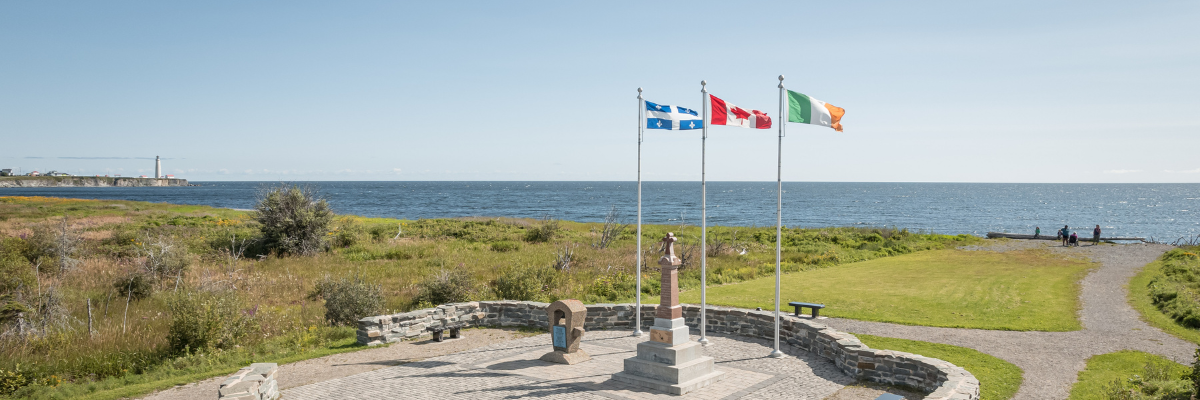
[670,362]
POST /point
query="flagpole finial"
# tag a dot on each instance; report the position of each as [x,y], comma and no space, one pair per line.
[639,93]
[780,81]
[702,89]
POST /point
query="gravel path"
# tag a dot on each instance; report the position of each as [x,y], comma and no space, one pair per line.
[1052,360]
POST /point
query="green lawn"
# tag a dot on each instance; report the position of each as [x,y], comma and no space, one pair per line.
[1016,290]
[1139,298]
[1121,371]
[998,379]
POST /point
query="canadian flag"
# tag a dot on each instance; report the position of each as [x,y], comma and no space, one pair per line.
[728,114]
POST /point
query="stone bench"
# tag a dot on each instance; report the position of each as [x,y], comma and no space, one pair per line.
[256,382]
[816,308]
[455,331]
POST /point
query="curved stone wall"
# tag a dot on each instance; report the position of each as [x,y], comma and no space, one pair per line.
[940,379]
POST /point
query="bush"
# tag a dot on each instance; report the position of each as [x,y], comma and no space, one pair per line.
[526,283]
[207,320]
[136,286]
[10,381]
[447,286]
[381,232]
[348,299]
[293,219]
[610,288]
[163,258]
[16,280]
[547,230]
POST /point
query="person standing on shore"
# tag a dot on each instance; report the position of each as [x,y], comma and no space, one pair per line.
[1064,234]
[1096,236]
[1037,232]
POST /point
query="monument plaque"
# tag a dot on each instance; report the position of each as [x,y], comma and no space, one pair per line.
[565,318]
[670,361]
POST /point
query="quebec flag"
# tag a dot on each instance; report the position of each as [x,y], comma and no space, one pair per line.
[671,117]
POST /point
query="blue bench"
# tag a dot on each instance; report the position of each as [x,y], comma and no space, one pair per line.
[889,396]
[816,308]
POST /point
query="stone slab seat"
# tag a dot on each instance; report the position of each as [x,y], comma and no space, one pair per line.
[816,308]
[455,331]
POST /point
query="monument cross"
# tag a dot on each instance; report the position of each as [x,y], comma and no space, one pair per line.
[670,361]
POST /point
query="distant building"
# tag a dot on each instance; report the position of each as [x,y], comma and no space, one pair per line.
[56,173]
[143,176]
[170,176]
[6,172]
[35,173]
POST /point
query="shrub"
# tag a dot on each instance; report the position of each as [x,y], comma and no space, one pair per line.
[447,286]
[382,232]
[10,381]
[547,230]
[136,286]
[163,258]
[53,246]
[207,320]
[613,287]
[293,219]
[348,299]
[526,283]
[1194,374]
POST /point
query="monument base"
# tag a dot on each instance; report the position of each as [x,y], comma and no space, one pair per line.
[672,388]
[566,358]
[670,362]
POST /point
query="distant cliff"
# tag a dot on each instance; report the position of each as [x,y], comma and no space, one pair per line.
[87,181]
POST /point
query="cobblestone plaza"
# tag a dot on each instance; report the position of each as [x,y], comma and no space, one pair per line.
[511,370]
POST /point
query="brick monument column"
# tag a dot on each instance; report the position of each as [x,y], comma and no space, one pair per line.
[670,361]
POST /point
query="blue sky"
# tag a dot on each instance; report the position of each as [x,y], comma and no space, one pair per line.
[934,91]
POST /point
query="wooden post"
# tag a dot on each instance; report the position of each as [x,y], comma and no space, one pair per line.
[126,318]
[89,307]
[109,300]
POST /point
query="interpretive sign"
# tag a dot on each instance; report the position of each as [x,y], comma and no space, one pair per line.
[565,318]
[559,335]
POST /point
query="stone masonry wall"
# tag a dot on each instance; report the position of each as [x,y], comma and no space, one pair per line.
[940,379]
[256,382]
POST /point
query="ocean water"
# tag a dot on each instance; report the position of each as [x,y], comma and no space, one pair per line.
[1164,212]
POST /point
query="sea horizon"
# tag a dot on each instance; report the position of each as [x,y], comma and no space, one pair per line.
[1159,211]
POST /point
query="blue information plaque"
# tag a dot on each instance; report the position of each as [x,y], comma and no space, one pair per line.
[559,334]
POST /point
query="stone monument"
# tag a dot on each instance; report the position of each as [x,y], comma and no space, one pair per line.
[566,318]
[670,361]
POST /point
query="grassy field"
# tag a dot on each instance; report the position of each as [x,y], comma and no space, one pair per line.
[1113,375]
[485,258]
[998,379]
[1016,290]
[1182,289]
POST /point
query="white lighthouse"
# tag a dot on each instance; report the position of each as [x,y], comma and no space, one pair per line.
[157,168]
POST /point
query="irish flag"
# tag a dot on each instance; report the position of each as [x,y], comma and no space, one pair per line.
[728,114]
[807,110]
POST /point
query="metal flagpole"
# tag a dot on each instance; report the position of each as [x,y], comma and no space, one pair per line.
[779,220]
[637,314]
[703,217]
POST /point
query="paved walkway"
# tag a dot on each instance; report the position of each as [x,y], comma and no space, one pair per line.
[1052,360]
[512,370]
